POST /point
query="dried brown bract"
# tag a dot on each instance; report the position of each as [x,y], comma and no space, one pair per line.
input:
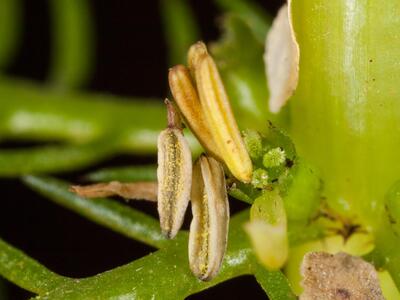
[131,190]
[338,277]
[282,60]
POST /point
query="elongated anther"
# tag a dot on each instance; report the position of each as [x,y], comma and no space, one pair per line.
[196,52]
[188,102]
[174,175]
[209,228]
[220,119]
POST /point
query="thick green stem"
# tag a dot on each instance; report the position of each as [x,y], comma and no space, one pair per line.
[346,109]
[26,272]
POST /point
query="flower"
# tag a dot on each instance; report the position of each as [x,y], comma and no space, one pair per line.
[201,99]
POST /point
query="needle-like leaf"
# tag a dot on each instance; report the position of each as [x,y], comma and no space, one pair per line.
[111,214]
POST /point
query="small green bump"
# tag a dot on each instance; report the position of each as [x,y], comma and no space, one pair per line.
[253,142]
[260,178]
[274,158]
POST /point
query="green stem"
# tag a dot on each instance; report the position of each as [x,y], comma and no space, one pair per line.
[9,29]
[32,112]
[275,284]
[251,13]
[26,272]
[181,30]
[161,275]
[72,36]
[164,274]
[124,174]
[50,159]
[118,217]
[346,109]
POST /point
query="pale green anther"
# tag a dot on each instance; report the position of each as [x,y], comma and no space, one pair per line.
[253,142]
[274,158]
[260,178]
[267,230]
[269,207]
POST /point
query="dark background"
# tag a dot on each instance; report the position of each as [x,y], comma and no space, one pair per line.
[131,60]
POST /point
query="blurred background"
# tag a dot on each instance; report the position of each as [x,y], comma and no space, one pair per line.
[130,60]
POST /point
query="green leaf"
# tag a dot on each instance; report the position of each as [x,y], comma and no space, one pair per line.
[124,174]
[181,30]
[33,112]
[275,284]
[164,274]
[27,273]
[72,38]
[10,14]
[111,214]
[49,159]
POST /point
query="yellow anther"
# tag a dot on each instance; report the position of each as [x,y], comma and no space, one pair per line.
[186,98]
[220,119]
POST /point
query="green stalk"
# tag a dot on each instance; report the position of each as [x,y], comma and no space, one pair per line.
[26,272]
[33,112]
[50,159]
[251,13]
[10,13]
[275,284]
[161,275]
[346,109]
[155,274]
[118,217]
[124,174]
[181,30]
[72,36]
